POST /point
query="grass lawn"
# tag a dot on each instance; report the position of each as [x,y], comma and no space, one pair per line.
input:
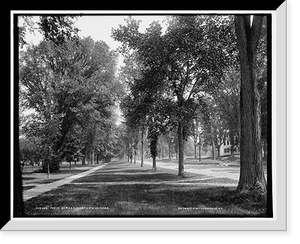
[29,176]
[120,189]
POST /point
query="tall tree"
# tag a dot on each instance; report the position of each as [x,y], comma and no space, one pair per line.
[251,170]
[198,58]
[68,84]
[65,29]
[181,62]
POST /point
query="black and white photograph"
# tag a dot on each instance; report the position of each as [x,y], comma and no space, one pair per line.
[143,115]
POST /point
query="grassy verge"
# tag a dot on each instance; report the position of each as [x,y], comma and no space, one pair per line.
[105,193]
[145,200]
[41,178]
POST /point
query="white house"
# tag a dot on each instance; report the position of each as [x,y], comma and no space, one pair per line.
[226,148]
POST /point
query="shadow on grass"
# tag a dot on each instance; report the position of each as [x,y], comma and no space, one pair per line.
[145,201]
[129,174]
[122,172]
[137,177]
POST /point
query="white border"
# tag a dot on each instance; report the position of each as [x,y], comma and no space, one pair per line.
[279,170]
[279,129]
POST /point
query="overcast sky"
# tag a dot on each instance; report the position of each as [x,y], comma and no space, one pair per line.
[99,27]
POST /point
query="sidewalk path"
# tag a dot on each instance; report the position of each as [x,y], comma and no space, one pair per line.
[27,194]
[214,171]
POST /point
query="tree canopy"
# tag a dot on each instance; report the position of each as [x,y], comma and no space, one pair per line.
[68,85]
[177,67]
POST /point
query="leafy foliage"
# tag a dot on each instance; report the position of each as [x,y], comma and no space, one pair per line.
[69,84]
[176,83]
[177,67]
[58,28]
[30,150]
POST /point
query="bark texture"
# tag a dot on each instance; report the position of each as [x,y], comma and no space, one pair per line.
[200,147]
[251,170]
[180,150]
[142,149]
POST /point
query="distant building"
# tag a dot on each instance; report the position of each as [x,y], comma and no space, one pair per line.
[226,148]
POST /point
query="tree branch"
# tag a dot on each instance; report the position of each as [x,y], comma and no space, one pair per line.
[239,21]
[186,79]
[255,31]
[193,88]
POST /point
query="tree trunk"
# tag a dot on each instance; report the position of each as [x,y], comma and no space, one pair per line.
[200,148]
[219,151]
[87,158]
[131,154]
[195,147]
[48,170]
[124,152]
[213,150]
[180,149]
[153,149]
[169,142]
[92,156]
[251,170]
[142,149]
[134,156]
[48,164]
[83,160]
[154,163]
